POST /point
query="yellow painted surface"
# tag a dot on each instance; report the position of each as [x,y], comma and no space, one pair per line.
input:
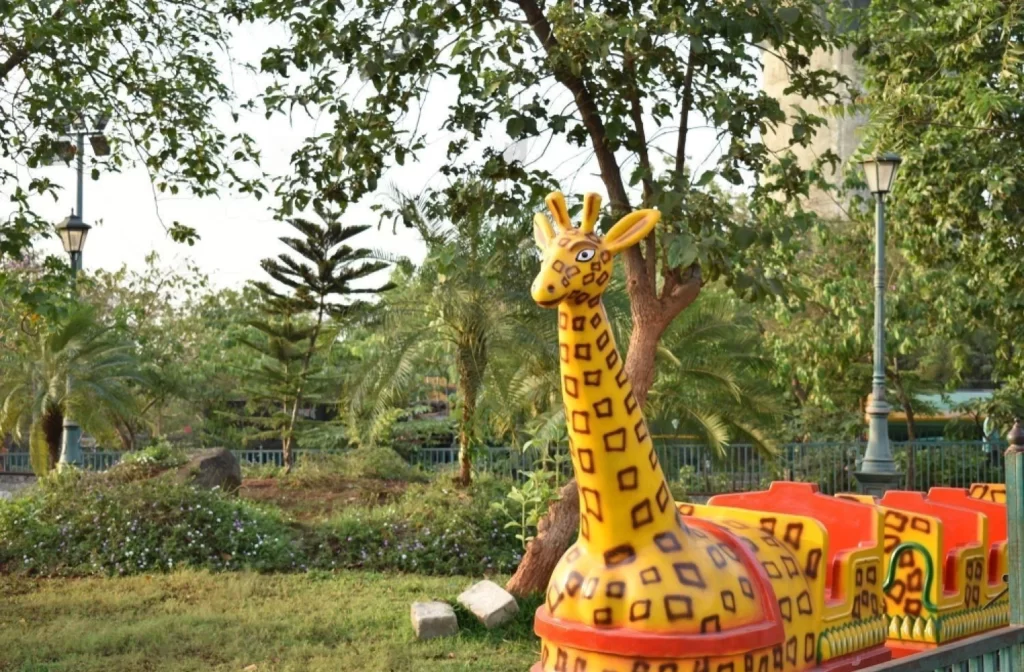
[974,606]
[992,492]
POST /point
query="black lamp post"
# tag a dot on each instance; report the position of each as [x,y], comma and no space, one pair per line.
[878,472]
[73,231]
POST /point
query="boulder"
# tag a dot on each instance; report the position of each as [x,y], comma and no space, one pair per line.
[490,603]
[433,619]
[213,468]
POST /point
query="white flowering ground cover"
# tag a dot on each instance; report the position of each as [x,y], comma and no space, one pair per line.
[242,621]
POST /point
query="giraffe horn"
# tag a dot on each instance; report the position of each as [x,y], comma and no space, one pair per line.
[556,204]
[591,209]
[542,231]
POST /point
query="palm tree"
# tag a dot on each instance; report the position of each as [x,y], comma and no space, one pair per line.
[464,307]
[713,376]
[35,391]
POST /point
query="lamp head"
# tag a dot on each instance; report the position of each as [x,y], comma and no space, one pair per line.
[73,232]
[880,172]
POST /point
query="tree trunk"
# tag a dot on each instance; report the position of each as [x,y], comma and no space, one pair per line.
[53,429]
[470,375]
[557,530]
[465,462]
[126,433]
[560,524]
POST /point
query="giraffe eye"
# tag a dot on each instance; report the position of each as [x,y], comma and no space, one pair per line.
[585,255]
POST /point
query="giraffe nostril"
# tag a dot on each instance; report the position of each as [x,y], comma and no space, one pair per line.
[551,289]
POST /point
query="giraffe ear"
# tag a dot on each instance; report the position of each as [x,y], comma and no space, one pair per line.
[630,230]
[542,231]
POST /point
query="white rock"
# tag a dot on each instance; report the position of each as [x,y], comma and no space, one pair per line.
[433,619]
[490,603]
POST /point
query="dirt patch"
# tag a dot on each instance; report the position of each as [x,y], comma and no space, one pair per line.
[307,502]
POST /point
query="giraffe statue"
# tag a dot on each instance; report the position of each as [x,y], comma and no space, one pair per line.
[642,589]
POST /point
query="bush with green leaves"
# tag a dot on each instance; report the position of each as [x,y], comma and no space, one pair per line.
[319,470]
[160,455]
[381,463]
[435,528]
[524,504]
[79,523]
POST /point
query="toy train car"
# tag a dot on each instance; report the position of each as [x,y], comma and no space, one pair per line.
[824,583]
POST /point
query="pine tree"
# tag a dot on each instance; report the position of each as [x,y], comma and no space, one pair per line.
[299,320]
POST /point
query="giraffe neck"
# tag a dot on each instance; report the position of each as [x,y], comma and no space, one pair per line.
[622,487]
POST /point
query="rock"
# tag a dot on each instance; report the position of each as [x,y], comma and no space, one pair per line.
[433,619]
[490,603]
[213,468]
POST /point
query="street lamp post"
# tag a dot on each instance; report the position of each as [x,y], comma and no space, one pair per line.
[878,472]
[73,232]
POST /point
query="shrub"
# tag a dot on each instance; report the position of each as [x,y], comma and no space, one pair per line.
[381,463]
[260,471]
[78,523]
[434,528]
[325,470]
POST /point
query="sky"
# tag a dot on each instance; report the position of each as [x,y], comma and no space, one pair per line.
[237,231]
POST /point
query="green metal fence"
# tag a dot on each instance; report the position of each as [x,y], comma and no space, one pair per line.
[1000,651]
[700,470]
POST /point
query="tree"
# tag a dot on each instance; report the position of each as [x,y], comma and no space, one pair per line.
[150,67]
[939,79]
[36,395]
[466,306]
[154,310]
[821,340]
[598,76]
[318,294]
[714,378]
[627,69]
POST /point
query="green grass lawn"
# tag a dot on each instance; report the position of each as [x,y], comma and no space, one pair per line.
[348,622]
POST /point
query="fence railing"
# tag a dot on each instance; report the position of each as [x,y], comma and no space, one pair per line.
[1000,650]
[697,468]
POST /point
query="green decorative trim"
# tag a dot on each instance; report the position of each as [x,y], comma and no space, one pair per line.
[998,608]
[929,571]
[995,605]
[877,621]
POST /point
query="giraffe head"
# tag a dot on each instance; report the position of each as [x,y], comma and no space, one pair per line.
[577,263]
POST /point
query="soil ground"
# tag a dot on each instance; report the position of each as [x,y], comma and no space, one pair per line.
[308,502]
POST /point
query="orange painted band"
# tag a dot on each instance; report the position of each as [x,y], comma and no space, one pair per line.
[849,663]
[624,642]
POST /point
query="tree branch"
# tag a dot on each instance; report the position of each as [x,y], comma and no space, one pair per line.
[636,113]
[611,174]
[684,114]
[585,103]
[681,289]
[21,54]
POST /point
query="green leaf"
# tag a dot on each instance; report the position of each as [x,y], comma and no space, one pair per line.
[789,14]
[681,249]
[515,126]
